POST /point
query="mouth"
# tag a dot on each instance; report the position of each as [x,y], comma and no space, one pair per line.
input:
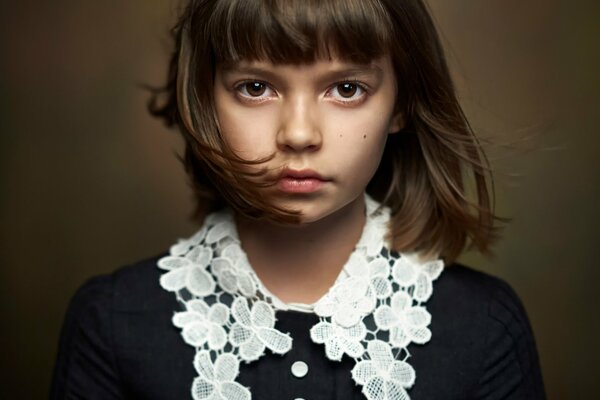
[300,181]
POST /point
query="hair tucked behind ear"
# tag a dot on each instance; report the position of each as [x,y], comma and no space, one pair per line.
[426,167]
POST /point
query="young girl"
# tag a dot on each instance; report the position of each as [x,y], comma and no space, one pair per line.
[330,161]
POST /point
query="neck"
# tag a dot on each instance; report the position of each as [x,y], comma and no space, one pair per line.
[299,263]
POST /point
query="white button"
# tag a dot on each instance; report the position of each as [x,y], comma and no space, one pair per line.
[299,370]
[298,398]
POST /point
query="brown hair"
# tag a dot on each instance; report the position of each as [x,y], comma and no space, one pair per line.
[425,169]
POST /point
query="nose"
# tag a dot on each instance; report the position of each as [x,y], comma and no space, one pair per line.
[299,129]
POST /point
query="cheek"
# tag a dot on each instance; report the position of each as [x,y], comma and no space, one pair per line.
[246,130]
[360,137]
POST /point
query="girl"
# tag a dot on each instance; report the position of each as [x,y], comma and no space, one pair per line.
[330,160]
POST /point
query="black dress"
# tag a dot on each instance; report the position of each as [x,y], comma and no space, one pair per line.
[118,342]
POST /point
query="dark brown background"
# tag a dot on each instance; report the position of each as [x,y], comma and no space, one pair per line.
[89,181]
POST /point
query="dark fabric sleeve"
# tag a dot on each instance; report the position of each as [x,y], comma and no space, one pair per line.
[511,368]
[85,367]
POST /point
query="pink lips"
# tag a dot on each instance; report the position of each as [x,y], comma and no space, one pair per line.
[300,181]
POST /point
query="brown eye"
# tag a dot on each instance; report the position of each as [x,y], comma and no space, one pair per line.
[347,89]
[255,89]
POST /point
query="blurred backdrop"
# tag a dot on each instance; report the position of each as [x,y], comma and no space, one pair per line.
[90,182]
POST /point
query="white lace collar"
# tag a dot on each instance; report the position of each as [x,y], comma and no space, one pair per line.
[372,312]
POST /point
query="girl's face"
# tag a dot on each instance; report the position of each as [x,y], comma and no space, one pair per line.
[326,124]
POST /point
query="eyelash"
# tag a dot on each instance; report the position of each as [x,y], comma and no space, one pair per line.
[360,86]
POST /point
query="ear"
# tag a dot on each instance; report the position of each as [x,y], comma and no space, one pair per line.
[396,123]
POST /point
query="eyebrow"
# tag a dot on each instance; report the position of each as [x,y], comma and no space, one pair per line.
[366,70]
[344,72]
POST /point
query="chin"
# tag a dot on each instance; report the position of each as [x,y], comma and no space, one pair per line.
[310,212]
[307,219]
[320,207]
[318,211]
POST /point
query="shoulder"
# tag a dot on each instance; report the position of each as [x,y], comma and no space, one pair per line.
[464,290]
[100,336]
[465,281]
[486,304]
[486,316]
[129,288]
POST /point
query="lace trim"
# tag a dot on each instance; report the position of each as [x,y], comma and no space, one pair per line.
[371,314]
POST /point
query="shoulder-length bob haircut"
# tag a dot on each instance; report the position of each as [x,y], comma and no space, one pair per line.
[426,169]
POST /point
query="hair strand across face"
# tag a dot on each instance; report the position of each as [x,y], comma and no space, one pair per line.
[426,167]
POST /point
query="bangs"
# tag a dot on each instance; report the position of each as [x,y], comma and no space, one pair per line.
[298,31]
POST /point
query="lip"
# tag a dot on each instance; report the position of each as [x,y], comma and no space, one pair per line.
[300,181]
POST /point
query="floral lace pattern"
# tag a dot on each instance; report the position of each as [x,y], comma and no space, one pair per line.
[371,314]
